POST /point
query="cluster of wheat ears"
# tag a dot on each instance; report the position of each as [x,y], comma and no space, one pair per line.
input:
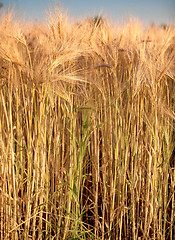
[87,118]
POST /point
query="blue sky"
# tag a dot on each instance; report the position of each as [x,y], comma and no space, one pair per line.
[148,11]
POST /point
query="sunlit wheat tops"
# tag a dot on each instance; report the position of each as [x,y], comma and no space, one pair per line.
[87,139]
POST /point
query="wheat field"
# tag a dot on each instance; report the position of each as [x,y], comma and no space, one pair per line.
[87,130]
